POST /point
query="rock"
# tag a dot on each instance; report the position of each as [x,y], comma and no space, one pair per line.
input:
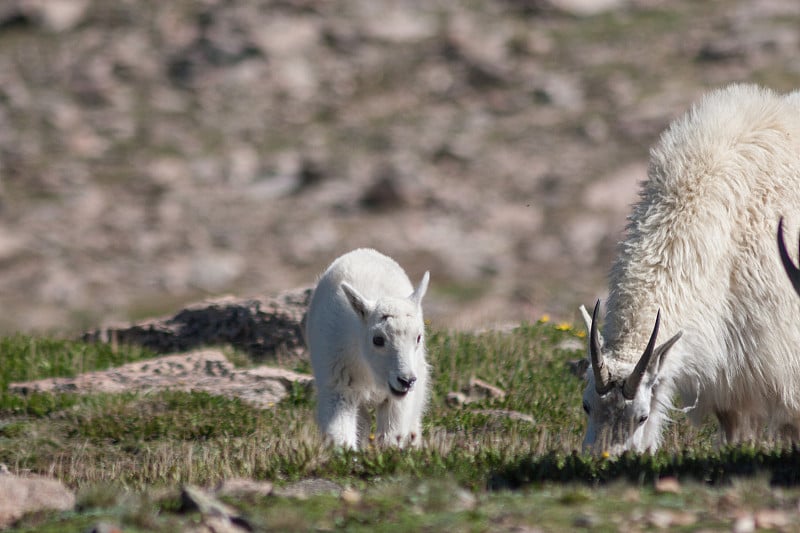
[264,328]
[57,15]
[216,524]
[479,389]
[105,527]
[399,25]
[387,192]
[351,496]
[307,488]
[212,271]
[456,399]
[22,495]
[668,485]
[618,190]
[206,370]
[585,8]
[561,91]
[659,518]
[242,486]
[195,499]
[771,519]
[663,518]
[586,520]
[744,523]
[507,413]
[683,519]
[216,515]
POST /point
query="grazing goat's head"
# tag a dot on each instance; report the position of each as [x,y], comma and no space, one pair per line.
[393,336]
[620,399]
[791,269]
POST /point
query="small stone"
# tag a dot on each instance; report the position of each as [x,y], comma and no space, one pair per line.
[59,15]
[771,519]
[668,485]
[585,520]
[729,501]
[744,523]
[239,486]
[387,192]
[456,399]
[307,488]
[479,389]
[104,527]
[660,518]
[195,499]
[351,496]
[22,495]
[585,8]
[684,518]
[507,413]
[631,496]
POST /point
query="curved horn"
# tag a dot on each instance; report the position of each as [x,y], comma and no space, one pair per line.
[631,384]
[788,264]
[602,380]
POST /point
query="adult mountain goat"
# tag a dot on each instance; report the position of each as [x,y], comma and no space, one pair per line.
[366,335]
[699,262]
[792,271]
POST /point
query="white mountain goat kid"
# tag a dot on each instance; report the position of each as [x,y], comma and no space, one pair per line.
[366,335]
[700,254]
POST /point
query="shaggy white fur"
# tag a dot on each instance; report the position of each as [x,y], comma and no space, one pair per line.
[366,335]
[701,248]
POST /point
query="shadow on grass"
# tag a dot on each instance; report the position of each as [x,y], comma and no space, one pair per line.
[781,466]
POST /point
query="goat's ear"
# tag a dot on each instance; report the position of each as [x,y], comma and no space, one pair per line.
[360,305]
[421,289]
[587,319]
[661,353]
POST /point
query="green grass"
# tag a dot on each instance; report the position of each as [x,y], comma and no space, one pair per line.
[127,454]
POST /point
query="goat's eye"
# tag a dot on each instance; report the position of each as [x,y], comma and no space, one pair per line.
[419,338]
[586,407]
[642,419]
[377,340]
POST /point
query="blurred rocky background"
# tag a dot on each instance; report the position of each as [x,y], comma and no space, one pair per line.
[155,153]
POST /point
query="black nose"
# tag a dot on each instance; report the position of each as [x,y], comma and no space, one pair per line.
[406,383]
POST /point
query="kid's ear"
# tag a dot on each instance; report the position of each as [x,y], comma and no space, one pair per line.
[360,305]
[421,289]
